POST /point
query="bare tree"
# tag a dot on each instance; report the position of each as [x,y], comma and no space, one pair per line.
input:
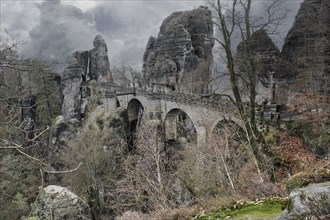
[127,75]
[29,98]
[234,18]
[150,180]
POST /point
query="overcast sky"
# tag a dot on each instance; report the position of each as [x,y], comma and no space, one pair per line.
[58,27]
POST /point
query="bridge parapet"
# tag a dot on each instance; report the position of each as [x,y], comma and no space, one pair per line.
[213,101]
[111,90]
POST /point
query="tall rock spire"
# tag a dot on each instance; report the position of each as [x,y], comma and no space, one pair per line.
[99,61]
[181,55]
[82,67]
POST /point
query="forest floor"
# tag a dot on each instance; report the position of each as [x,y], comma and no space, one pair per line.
[297,166]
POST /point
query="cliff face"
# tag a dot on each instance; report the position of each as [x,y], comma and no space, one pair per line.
[79,88]
[182,52]
[83,67]
[305,56]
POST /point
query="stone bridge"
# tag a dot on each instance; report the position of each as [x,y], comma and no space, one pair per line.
[164,108]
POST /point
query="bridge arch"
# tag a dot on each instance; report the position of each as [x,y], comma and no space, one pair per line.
[229,136]
[135,111]
[225,126]
[178,125]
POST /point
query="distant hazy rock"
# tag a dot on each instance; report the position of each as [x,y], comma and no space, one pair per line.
[307,43]
[183,46]
[265,55]
[58,203]
[305,56]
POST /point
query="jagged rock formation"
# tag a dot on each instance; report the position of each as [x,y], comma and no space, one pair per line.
[182,53]
[56,202]
[99,61]
[61,132]
[71,83]
[305,57]
[265,55]
[80,93]
[28,115]
[83,67]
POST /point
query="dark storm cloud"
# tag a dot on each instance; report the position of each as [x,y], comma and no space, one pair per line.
[127,25]
[107,19]
[55,27]
[61,29]
[17,17]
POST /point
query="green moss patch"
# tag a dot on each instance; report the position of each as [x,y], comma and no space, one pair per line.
[266,209]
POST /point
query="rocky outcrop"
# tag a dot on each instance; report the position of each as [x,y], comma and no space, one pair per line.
[61,132]
[181,55]
[28,115]
[305,56]
[71,83]
[101,144]
[311,202]
[83,67]
[307,43]
[104,131]
[99,61]
[56,202]
[81,93]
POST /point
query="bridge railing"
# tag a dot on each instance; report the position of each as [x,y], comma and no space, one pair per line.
[111,90]
[213,101]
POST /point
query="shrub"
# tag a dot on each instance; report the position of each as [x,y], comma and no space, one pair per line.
[271,138]
[100,121]
[316,138]
[21,204]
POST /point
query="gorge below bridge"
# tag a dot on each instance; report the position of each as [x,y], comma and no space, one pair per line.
[165,108]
